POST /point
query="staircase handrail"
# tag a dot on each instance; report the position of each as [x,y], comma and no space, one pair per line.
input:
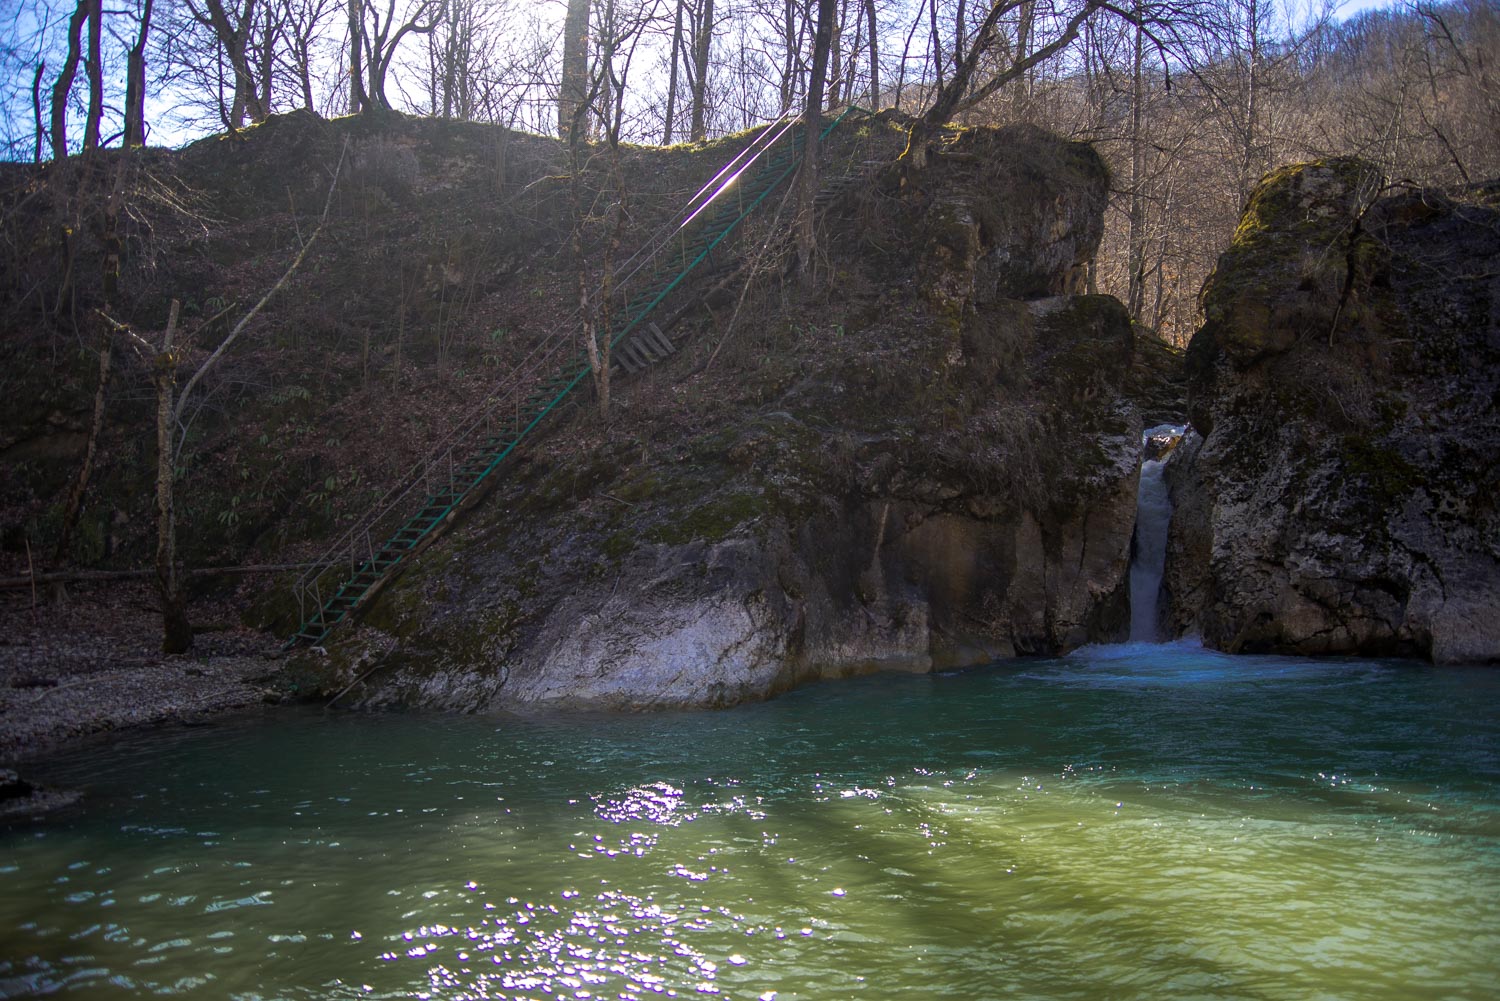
[724,233]
[695,205]
[509,389]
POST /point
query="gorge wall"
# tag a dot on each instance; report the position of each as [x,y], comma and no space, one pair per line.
[927,460]
[1342,497]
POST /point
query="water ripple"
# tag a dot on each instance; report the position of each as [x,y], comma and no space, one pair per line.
[1126,822]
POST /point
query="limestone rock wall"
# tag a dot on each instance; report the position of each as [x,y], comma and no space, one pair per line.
[813,542]
[935,466]
[883,585]
[1013,213]
[1344,496]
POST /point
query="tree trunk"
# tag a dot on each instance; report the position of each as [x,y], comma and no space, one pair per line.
[1136,235]
[666,138]
[358,99]
[905,54]
[874,57]
[593,318]
[267,54]
[177,632]
[36,108]
[937,43]
[1249,173]
[812,122]
[135,85]
[1021,96]
[304,77]
[94,69]
[233,36]
[789,25]
[609,125]
[571,93]
[701,48]
[64,83]
[611,254]
[835,71]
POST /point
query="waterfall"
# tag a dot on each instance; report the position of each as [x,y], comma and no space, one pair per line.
[1153,511]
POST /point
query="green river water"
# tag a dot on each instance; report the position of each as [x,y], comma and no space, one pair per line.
[1127,822]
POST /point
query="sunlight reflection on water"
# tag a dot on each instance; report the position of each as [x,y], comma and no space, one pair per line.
[1132,822]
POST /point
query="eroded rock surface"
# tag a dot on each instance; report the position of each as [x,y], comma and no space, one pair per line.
[920,481]
[1011,213]
[1344,497]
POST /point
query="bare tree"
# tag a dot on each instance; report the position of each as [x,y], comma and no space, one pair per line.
[302,24]
[232,28]
[94,68]
[874,43]
[382,36]
[177,633]
[674,60]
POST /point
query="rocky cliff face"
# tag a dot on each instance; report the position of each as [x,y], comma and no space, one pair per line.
[1343,497]
[919,465]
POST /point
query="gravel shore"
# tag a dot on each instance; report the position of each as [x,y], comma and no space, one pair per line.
[92,664]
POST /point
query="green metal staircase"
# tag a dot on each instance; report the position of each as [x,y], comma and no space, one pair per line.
[457,471]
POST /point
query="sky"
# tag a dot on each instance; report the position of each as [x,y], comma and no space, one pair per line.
[1351,7]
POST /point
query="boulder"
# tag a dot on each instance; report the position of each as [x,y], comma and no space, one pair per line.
[1343,499]
[1010,213]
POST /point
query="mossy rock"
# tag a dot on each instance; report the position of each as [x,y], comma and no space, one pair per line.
[1288,266]
[1387,476]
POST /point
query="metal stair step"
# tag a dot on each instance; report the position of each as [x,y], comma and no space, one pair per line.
[659,339]
[639,354]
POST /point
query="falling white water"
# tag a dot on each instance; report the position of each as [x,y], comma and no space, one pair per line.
[1153,512]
